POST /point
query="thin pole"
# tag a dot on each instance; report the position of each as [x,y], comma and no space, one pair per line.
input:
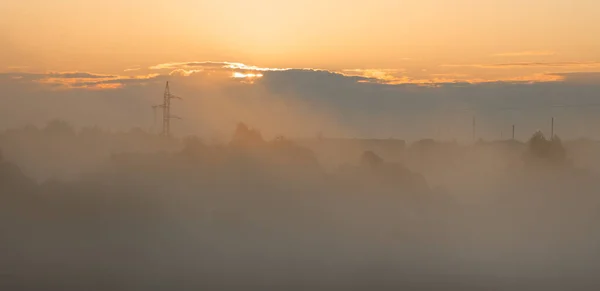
[474,124]
[552,129]
[513,132]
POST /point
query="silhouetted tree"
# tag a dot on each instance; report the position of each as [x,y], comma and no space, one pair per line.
[370,159]
[12,179]
[542,151]
[246,136]
[192,146]
[59,127]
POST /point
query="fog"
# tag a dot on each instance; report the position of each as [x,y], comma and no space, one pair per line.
[301,103]
[84,208]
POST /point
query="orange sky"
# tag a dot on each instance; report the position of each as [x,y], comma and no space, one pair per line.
[396,40]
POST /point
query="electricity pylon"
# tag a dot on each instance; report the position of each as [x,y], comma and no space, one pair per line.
[166,111]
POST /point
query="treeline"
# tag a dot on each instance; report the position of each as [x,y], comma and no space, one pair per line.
[162,214]
[198,204]
[58,150]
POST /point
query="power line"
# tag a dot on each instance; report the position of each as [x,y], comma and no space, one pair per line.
[154,109]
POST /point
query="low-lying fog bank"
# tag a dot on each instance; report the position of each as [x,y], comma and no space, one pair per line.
[92,210]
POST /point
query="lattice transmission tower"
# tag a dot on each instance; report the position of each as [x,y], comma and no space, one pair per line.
[166,111]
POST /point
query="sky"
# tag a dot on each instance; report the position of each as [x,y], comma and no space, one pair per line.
[113,46]
[109,36]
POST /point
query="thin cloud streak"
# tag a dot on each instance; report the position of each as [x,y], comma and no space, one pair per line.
[132,69]
[78,80]
[11,68]
[80,75]
[399,77]
[213,65]
[184,72]
[525,54]
[528,65]
[384,75]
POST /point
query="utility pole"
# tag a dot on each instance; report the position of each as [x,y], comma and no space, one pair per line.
[474,125]
[552,129]
[166,111]
[513,132]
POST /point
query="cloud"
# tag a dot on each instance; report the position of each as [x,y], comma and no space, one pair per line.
[178,65]
[250,74]
[399,77]
[212,65]
[242,72]
[77,80]
[13,68]
[220,71]
[242,75]
[535,78]
[132,69]
[581,77]
[301,102]
[241,66]
[525,54]
[79,75]
[382,75]
[184,72]
[118,82]
[530,65]
[389,76]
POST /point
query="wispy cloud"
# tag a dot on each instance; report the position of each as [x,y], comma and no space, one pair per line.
[13,68]
[184,72]
[581,77]
[241,66]
[383,75]
[78,80]
[250,75]
[240,71]
[525,54]
[179,65]
[399,77]
[529,65]
[220,71]
[386,76]
[132,69]
[79,75]
[213,65]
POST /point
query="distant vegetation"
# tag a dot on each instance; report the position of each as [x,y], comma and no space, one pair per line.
[548,152]
[136,209]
